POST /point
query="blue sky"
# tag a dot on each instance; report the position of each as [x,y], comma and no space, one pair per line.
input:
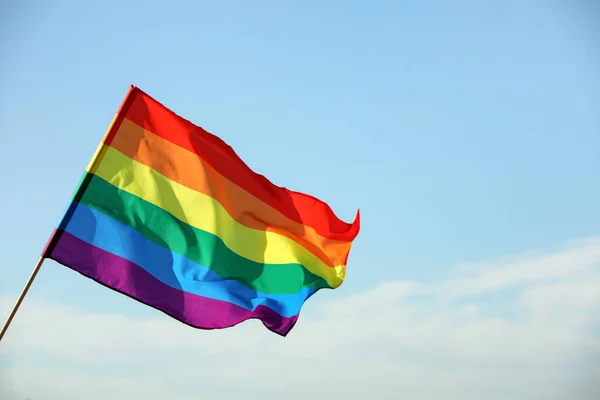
[467,132]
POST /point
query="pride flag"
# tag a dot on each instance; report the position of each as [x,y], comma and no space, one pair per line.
[169,215]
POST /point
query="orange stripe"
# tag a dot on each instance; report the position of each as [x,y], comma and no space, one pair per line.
[186,168]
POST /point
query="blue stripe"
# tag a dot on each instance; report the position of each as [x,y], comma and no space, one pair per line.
[171,268]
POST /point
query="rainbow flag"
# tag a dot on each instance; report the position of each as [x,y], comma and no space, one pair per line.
[169,215]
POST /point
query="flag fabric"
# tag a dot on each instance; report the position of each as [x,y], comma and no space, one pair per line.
[168,214]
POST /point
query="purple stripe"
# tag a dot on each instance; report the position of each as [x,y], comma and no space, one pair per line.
[128,278]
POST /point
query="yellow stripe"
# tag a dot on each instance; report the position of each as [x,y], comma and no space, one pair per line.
[204,212]
[187,168]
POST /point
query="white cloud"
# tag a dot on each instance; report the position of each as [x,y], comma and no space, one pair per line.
[526,328]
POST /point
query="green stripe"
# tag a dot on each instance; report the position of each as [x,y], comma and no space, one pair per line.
[202,247]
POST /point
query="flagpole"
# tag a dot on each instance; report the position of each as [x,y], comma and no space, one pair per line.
[21,297]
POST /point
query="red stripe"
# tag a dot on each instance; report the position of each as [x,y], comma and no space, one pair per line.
[120,115]
[300,207]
